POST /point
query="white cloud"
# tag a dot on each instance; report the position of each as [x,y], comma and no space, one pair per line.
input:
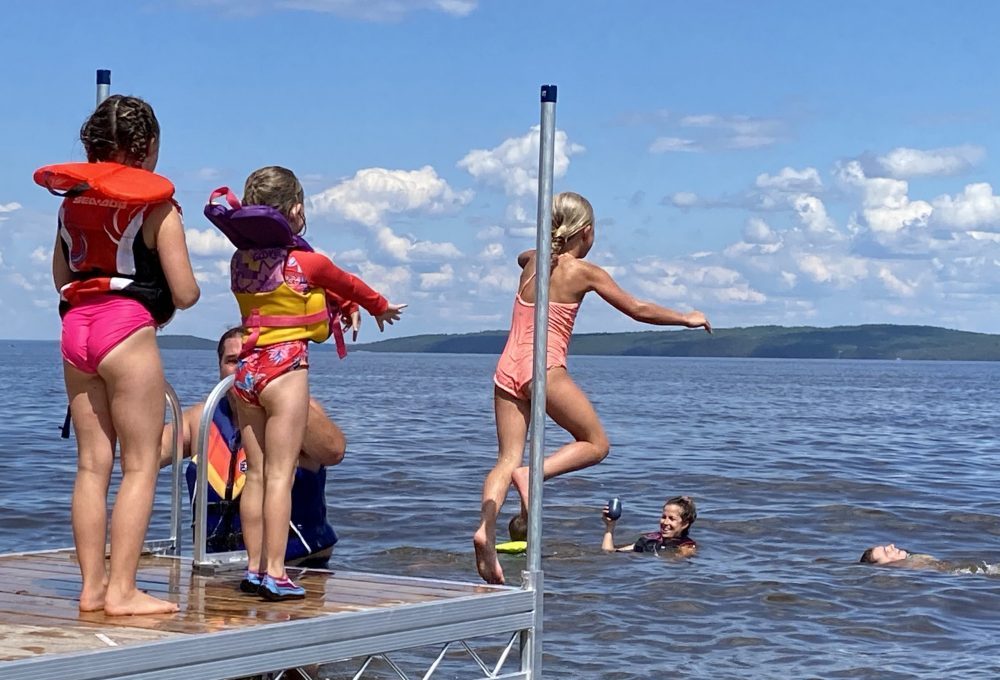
[789,179]
[904,162]
[757,230]
[437,280]
[374,193]
[492,251]
[886,207]
[840,271]
[671,144]
[365,10]
[895,285]
[513,164]
[8,208]
[490,232]
[715,132]
[812,214]
[684,199]
[975,208]
[208,242]
[391,282]
[41,255]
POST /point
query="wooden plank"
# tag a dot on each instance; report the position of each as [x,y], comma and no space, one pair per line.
[24,641]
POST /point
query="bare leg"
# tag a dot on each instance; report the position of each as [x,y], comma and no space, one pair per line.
[252,431]
[286,401]
[95,441]
[569,407]
[134,377]
[512,424]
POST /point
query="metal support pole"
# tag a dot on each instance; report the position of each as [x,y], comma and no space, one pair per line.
[217,394]
[177,456]
[531,642]
[103,85]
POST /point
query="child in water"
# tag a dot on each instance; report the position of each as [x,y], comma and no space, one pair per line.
[272,380]
[111,363]
[679,513]
[572,278]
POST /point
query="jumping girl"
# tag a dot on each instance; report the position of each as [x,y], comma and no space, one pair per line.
[121,266]
[572,278]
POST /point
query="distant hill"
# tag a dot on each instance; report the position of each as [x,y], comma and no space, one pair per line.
[881,341]
[184,342]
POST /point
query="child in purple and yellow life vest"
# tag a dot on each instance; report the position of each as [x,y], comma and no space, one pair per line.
[282,294]
[678,514]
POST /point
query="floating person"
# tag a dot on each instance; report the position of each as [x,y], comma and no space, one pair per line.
[310,536]
[889,555]
[676,518]
[284,291]
[572,278]
[121,266]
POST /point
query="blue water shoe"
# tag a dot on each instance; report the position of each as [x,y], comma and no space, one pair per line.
[280,589]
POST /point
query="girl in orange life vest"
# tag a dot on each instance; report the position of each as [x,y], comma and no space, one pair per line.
[678,514]
[121,267]
[572,278]
[271,377]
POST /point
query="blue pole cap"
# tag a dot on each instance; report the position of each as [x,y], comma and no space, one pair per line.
[548,93]
[103,76]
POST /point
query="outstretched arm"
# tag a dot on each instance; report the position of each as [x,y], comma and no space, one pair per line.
[601,283]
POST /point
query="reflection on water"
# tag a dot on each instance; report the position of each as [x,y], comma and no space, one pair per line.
[797,466]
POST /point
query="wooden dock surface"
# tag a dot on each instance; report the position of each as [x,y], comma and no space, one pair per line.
[39,615]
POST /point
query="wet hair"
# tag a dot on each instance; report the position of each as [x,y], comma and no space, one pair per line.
[120,125]
[688,511]
[236,332]
[275,186]
[570,214]
[867,557]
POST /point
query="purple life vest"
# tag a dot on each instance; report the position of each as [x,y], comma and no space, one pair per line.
[252,226]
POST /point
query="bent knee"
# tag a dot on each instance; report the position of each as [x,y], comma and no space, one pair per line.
[603,447]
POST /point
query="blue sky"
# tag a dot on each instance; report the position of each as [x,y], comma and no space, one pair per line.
[767,162]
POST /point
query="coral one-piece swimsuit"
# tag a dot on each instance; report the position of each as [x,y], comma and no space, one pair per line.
[513,374]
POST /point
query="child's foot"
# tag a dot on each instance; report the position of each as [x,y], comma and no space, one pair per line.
[92,599]
[518,528]
[137,603]
[275,589]
[251,582]
[487,563]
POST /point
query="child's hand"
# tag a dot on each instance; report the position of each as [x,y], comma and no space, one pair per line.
[696,319]
[352,322]
[391,314]
[608,522]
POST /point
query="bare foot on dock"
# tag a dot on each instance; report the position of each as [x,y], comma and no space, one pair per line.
[138,604]
[486,558]
[92,600]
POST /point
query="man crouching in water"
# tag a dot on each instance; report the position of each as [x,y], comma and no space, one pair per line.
[310,536]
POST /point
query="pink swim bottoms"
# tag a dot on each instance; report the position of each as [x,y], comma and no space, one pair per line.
[92,329]
[256,370]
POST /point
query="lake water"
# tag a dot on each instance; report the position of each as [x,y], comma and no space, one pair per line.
[796,467]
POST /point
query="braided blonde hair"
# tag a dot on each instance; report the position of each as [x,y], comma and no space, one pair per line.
[571,212]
